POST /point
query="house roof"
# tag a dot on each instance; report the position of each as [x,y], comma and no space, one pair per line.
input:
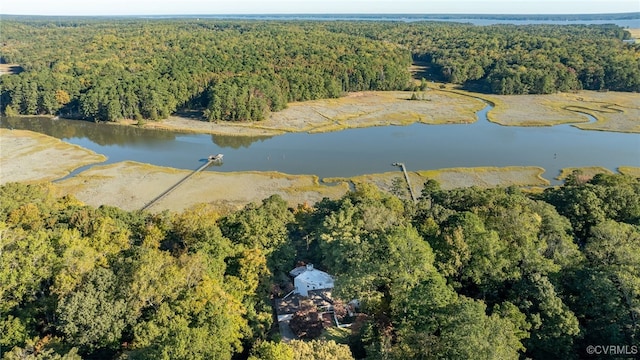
[297,271]
[315,277]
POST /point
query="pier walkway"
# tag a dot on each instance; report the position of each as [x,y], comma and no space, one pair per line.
[406,177]
[210,161]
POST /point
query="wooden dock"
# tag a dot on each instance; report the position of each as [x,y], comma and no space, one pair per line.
[210,160]
[406,177]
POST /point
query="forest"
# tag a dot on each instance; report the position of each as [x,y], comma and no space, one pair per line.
[466,273]
[112,69]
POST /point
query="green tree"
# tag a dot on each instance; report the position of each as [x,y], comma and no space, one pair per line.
[268,350]
[205,322]
[27,261]
[94,316]
[607,289]
[154,277]
[554,327]
[433,322]
[264,226]
[319,350]
[587,204]
[13,332]
[41,349]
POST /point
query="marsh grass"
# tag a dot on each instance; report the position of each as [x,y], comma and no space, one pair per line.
[487,176]
[613,111]
[456,177]
[355,110]
[587,172]
[130,185]
[629,170]
[28,156]
[635,33]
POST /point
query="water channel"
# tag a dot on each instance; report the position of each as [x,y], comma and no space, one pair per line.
[354,151]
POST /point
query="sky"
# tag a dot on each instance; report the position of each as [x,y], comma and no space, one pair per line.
[178,7]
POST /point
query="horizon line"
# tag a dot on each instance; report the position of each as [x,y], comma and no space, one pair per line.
[332,14]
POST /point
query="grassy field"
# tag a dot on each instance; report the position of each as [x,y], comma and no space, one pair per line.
[589,172]
[487,176]
[10,69]
[635,33]
[136,184]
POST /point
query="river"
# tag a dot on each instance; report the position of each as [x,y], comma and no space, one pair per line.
[355,151]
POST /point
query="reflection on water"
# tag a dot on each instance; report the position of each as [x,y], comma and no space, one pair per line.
[356,151]
[110,134]
[101,134]
[236,142]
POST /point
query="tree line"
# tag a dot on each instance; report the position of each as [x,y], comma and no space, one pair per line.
[242,70]
[511,59]
[148,69]
[464,273]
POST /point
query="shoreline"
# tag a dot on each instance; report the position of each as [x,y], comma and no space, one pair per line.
[137,183]
[131,185]
[612,111]
[355,110]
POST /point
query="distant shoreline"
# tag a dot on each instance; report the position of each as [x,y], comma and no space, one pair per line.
[623,20]
[355,16]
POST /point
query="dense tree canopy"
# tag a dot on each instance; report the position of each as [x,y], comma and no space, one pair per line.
[241,70]
[510,59]
[108,70]
[464,273]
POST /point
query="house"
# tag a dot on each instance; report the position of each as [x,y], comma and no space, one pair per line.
[306,279]
[309,285]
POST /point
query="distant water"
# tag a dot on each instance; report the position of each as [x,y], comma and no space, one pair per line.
[631,20]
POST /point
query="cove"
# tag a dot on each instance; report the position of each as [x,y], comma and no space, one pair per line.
[354,151]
